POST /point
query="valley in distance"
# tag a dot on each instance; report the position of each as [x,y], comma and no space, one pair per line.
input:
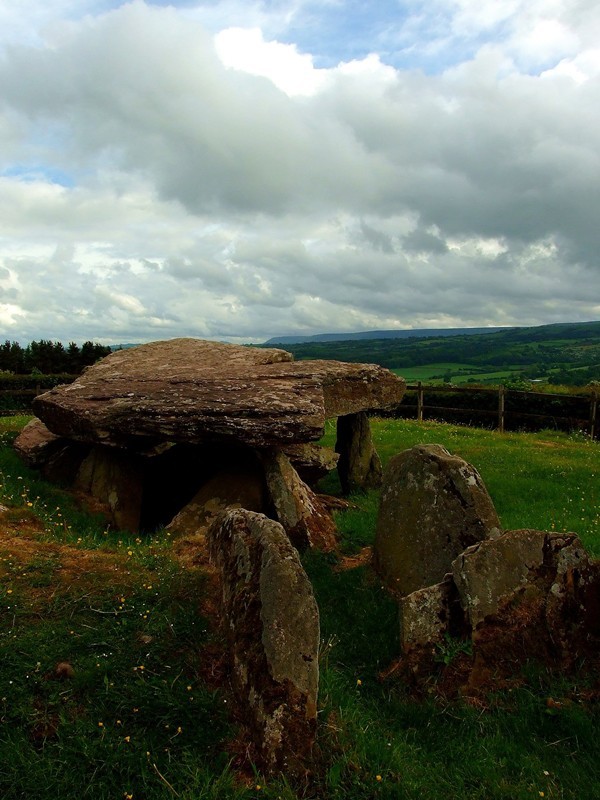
[566,354]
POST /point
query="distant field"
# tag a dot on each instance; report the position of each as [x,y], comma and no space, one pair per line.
[458,373]
[550,350]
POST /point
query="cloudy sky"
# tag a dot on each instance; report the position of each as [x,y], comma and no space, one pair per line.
[237,169]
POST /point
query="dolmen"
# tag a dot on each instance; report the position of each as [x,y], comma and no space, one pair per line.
[174,432]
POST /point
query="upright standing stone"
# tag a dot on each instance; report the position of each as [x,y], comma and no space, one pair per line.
[272,621]
[115,479]
[433,505]
[304,518]
[359,466]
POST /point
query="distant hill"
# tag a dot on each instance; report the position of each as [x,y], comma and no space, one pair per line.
[562,352]
[419,333]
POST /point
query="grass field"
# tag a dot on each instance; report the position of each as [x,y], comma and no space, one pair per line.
[546,480]
[139,706]
[457,373]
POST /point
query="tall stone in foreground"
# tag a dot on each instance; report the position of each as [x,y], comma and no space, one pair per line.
[272,622]
[433,505]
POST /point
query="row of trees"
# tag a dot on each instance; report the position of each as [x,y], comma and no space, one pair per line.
[49,358]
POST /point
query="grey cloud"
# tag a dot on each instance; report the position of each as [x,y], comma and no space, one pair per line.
[226,208]
[422,241]
[377,239]
[516,157]
[164,105]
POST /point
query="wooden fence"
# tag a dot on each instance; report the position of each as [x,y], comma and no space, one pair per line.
[501,415]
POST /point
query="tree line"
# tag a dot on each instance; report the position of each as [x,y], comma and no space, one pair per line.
[49,358]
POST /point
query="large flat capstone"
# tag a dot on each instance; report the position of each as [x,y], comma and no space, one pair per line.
[195,391]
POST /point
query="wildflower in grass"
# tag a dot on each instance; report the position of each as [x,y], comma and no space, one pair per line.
[359,682]
[100,724]
[378,778]
[127,739]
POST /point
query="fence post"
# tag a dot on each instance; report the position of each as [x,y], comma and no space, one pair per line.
[419,402]
[593,410]
[501,396]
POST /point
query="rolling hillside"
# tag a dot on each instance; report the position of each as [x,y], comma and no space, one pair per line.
[567,353]
[413,333]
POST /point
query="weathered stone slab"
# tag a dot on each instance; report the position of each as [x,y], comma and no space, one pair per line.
[489,573]
[272,622]
[57,458]
[115,479]
[35,444]
[425,615]
[433,505]
[303,516]
[530,594]
[188,390]
[359,466]
[573,600]
[237,487]
[311,461]
[525,595]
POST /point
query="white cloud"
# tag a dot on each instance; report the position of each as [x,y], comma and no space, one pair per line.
[246,50]
[9,313]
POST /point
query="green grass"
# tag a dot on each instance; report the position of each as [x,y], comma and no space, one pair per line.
[458,373]
[109,604]
[546,480]
[428,371]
